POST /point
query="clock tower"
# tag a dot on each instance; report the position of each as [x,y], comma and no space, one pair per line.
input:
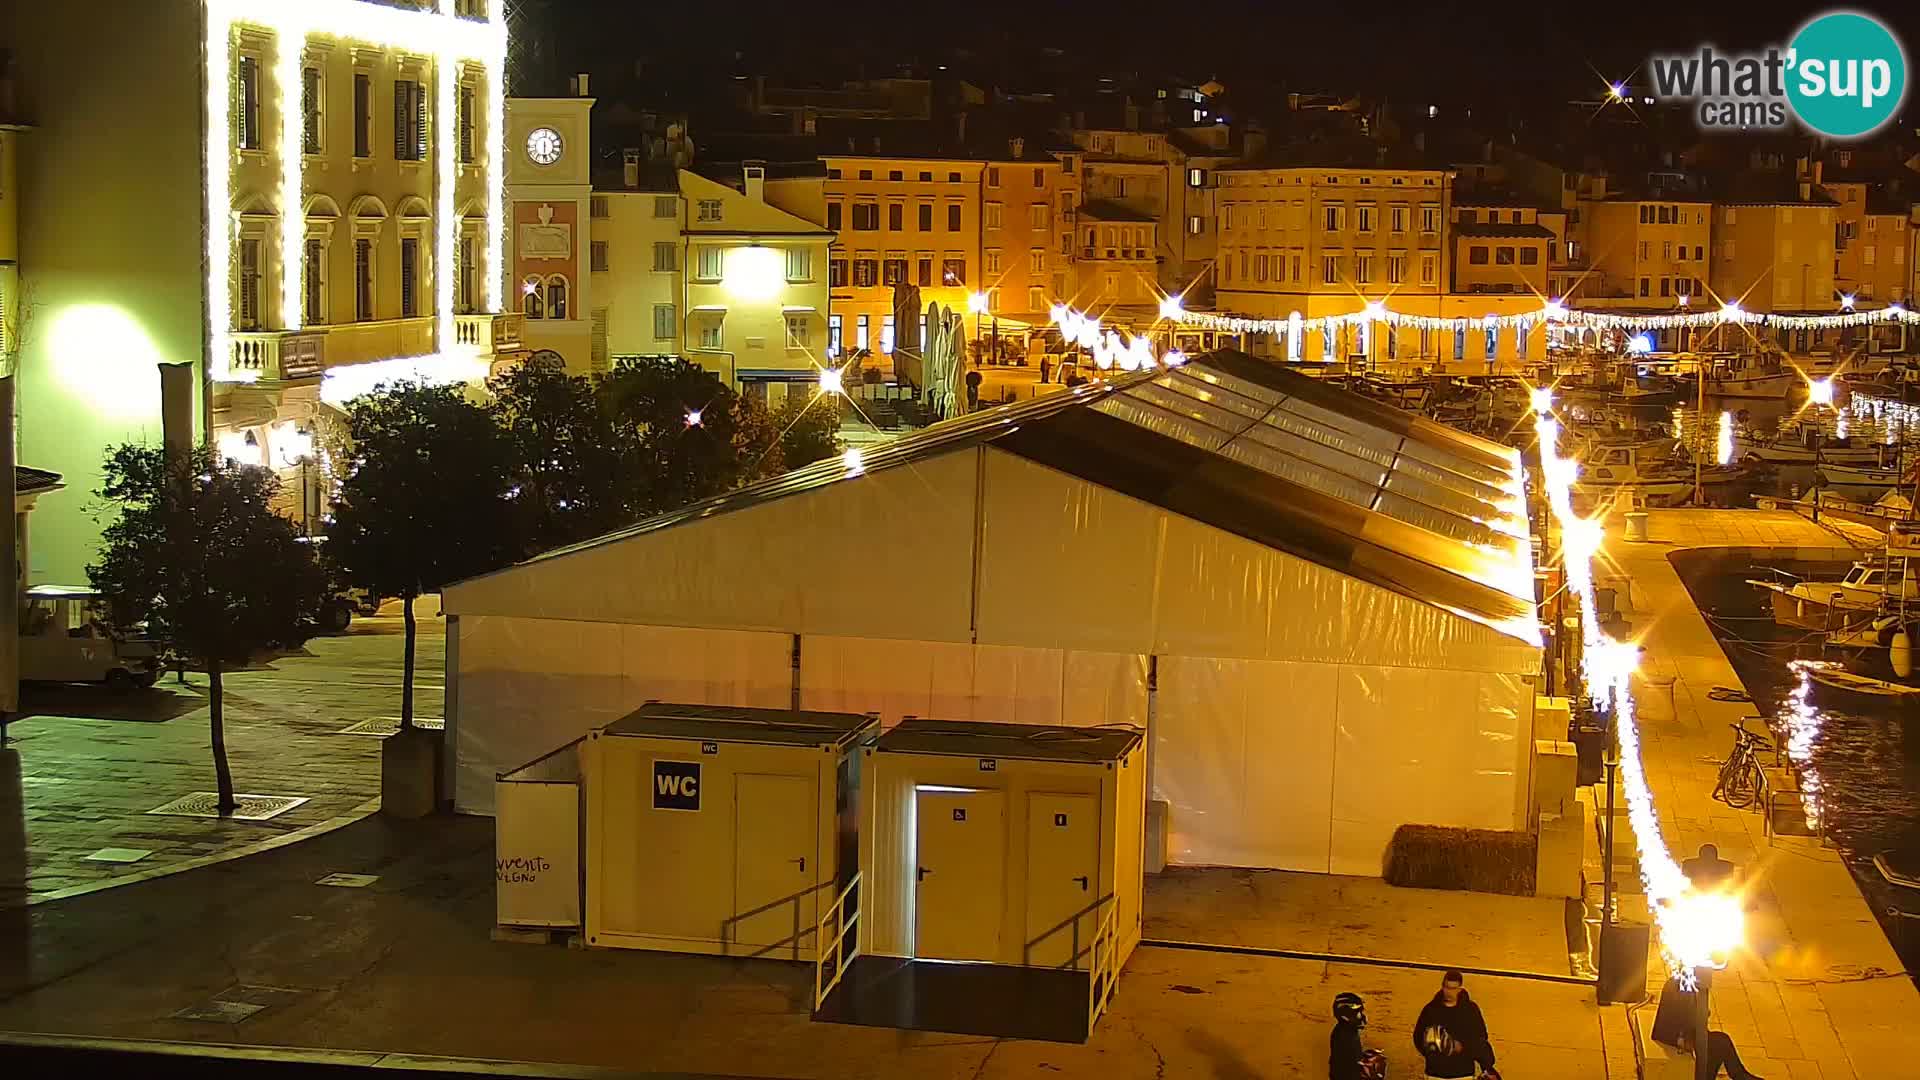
[550,211]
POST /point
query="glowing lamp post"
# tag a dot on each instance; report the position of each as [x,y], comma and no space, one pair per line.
[831,381]
[977,304]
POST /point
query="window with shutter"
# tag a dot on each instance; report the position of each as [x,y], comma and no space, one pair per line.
[363,280]
[420,122]
[467,273]
[402,118]
[409,278]
[466,124]
[314,280]
[249,284]
[663,259]
[310,111]
[663,322]
[598,254]
[597,343]
[362,114]
[246,88]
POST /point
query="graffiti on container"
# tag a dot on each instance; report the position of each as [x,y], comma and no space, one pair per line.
[520,870]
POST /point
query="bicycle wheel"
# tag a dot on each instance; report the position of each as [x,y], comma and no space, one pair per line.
[1744,784]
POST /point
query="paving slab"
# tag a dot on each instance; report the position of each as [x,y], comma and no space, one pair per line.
[85,765]
[406,965]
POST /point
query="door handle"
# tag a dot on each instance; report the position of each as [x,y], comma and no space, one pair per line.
[802,860]
[922,875]
[1082,879]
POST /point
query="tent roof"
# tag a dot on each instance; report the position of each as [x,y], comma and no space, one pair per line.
[1249,447]
[1027,742]
[737,724]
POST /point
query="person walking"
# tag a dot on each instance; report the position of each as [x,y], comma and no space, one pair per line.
[1451,1034]
[1347,1057]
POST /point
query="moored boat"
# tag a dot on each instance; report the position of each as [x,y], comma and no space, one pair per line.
[1847,604]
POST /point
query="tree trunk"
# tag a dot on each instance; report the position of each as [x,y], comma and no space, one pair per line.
[406,676]
[223,776]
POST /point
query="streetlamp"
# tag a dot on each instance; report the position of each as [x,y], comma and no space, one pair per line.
[977,304]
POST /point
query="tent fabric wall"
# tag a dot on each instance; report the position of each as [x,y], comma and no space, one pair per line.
[1145,580]
[995,684]
[528,685]
[1306,766]
[785,565]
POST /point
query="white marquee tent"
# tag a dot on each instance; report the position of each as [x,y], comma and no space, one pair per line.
[1319,607]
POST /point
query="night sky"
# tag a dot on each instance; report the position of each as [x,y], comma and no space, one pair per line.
[1480,53]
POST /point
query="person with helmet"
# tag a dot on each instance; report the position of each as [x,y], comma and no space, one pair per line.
[1452,1034]
[1347,1057]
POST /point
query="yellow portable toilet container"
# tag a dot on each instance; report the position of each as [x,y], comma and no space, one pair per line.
[1013,849]
[715,829]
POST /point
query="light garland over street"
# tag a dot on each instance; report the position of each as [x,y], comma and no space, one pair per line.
[1552,313]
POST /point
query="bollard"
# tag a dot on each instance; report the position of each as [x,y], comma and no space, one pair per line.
[1637,526]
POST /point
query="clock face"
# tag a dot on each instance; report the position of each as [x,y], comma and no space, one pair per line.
[544,146]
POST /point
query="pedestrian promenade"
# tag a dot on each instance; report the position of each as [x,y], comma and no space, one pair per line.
[1819,994]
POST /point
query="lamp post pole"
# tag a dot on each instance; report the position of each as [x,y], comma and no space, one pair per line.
[1699,419]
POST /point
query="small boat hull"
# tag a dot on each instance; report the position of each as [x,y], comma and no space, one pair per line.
[1802,612]
[1832,680]
[1858,476]
[1768,387]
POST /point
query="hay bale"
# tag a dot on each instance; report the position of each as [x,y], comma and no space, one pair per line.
[1471,860]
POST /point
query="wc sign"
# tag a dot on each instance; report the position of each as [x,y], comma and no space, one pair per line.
[676,785]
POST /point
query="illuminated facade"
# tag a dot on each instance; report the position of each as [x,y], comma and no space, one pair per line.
[1644,253]
[1320,241]
[299,199]
[1871,242]
[898,220]
[754,278]
[1775,255]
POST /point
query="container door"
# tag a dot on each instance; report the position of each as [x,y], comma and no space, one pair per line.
[1063,879]
[776,838]
[961,843]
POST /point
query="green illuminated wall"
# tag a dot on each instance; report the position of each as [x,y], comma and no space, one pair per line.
[110,236]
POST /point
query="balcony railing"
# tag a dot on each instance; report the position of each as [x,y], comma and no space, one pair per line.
[275,355]
[489,333]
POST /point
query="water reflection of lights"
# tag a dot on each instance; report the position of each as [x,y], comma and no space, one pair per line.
[1802,721]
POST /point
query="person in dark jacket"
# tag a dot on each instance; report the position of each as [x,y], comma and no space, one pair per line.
[1343,1046]
[1451,1034]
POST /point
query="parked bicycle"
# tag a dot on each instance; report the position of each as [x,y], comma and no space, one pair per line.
[1740,777]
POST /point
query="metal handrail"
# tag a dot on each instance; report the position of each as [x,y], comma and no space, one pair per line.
[836,945]
[1101,968]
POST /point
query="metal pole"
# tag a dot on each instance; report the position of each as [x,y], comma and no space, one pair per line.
[1699,420]
[1703,979]
[1606,889]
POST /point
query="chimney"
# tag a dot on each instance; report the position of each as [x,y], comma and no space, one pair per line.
[960,127]
[1015,146]
[1420,141]
[630,169]
[581,82]
[754,180]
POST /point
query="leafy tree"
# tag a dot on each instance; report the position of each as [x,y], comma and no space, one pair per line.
[427,499]
[809,429]
[672,459]
[572,474]
[198,556]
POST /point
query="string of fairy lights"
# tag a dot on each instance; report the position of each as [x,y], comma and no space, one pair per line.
[1698,929]
[1553,312]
